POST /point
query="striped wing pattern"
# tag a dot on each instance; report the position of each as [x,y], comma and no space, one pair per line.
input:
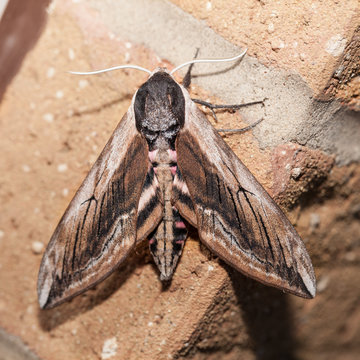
[98,228]
[236,218]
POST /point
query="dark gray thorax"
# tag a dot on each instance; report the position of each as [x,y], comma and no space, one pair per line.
[159,111]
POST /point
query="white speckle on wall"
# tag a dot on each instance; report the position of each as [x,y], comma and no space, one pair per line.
[37,247]
[65,192]
[336,45]
[271,28]
[26,168]
[71,54]
[48,117]
[109,348]
[83,84]
[50,72]
[59,94]
[62,168]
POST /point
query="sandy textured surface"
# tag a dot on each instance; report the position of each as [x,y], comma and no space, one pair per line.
[53,126]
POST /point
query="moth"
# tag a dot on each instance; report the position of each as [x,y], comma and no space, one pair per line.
[164,168]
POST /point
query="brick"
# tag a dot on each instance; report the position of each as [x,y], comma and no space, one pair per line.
[53,126]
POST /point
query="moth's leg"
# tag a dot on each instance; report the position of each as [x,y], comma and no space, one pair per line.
[187,79]
[212,107]
[246,128]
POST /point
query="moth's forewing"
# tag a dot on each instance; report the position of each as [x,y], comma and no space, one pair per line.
[98,228]
[236,218]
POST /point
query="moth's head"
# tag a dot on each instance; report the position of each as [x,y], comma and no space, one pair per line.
[159,108]
[159,104]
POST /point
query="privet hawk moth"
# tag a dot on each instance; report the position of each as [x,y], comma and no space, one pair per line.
[166,167]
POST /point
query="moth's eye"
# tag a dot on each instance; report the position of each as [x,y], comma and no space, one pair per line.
[172,128]
[150,134]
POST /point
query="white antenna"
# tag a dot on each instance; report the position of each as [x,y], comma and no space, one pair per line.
[208,61]
[111,69]
[149,72]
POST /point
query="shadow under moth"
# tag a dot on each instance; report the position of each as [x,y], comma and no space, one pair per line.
[164,167]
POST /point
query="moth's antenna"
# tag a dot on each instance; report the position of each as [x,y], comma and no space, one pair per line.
[209,60]
[111,69]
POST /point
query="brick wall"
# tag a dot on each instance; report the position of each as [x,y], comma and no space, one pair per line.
[303,58]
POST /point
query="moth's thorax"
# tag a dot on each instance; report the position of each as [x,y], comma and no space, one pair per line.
[160,110]
[163,158]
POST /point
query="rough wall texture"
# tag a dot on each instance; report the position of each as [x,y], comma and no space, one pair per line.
[303,58]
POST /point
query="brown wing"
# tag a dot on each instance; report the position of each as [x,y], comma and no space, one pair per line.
[236,218]
[98,228]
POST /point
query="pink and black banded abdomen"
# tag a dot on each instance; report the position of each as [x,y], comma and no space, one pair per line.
[166,243]
[167,239]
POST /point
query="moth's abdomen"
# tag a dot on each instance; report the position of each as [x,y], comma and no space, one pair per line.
[167,240]
[166,243]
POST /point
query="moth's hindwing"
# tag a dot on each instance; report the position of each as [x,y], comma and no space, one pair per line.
[181,198]
[98,228]
[151,206]
[236,218]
